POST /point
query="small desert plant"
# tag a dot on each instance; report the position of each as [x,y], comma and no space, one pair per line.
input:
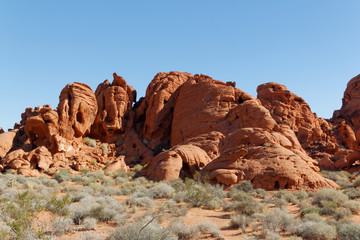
[62,226]
[140,199]
[104,147]
[245,186]
[59,205]
[270,235]
[62,175]
[90,236]
[90,142]
[161,190]
[317,230]
[19,213]
[287,196]
[210,228]
[342,213]
[349,231]
[89,223]
[352,193]
[331,195]
[327,207]
[146,228]
[353,205]
[314,217]
[240,221]
[277,220]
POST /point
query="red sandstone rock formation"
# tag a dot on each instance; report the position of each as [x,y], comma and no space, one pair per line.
[114,109]
[157,108]
[252,147]
[285,107]
[187,124]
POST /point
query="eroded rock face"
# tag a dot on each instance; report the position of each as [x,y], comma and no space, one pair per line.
[77,110]
[265,159]
[350,112]
[157,108]
[6,142]
[288,108]
[114,109]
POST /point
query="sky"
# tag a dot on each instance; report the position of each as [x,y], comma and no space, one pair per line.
[310,46]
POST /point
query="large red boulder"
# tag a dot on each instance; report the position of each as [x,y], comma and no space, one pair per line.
[77,110]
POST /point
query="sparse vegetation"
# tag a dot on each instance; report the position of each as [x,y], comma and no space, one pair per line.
[156,210]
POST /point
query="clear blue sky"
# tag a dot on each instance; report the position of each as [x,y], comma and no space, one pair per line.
[310,46]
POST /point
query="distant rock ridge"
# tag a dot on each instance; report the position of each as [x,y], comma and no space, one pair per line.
[187,124]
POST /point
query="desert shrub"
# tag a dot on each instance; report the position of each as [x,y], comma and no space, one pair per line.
[303,204]
[102,208]
[198,194]
[146,228]
[353,205]
[240,221]
[183,231]
[270,235]
[120,179]
[246,207]
[349,231]
[352,193]
[277,220]
[245,186]
[301,195]
[262,193]
[62,175]
[19,213]
[314,217]
[89,223]
[49,182]
[104,147]
[342,213]
[340,177]
[97,176]
[161,190]
[90,236]
[317,230]
[240,196]
[61,226]
[140,199]
[331,195]
[327,207]
[210,228]
[310,210]
[90,142]
[59,205]
[280,203]
[108,182]
[286,195]
[177,184]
